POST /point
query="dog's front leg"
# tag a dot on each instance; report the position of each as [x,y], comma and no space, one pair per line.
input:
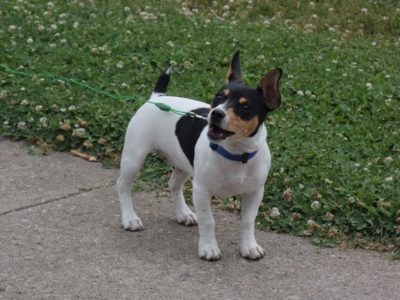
[208,246]
[249,208]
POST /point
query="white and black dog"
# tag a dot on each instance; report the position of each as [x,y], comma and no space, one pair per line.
[226,153]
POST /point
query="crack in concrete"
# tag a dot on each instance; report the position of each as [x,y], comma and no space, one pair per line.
[81,190]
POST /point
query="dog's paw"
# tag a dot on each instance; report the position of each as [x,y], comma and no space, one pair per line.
[209,252]
[188,218]
[252,251]
[132,224]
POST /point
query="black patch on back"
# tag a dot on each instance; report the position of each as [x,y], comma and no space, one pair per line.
[188,131]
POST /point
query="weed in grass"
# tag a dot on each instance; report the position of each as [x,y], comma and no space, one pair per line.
[335,140]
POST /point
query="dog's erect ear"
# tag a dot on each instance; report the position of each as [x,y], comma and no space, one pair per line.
[234,74]
[269,88]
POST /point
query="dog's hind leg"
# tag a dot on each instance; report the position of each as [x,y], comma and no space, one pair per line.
[131,163]
[183,213]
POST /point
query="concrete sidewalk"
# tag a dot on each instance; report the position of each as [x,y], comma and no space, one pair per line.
[60,238]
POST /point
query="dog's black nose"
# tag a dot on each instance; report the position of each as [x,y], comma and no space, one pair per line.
[217,115]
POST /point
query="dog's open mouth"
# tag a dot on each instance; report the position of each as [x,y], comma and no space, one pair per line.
[216,133]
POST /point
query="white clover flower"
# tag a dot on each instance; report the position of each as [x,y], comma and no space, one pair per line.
[290,76]
[226,7]
[316,205]
[314,16]
[300,93]
[369,85]
[275,213]
[120,65]
[334,61]
[364,10]
[62,109]
[308,93]
[43,121]
[388,160]
[310,223]
[31,120]
[75,25]
[41,28]
[127,9]
[53,26]
[12,28]
[330,217]
[6,123]
[71,108]
[29,40]
[389,179]
[21,125]
[344,74]
[63,41]
[327,69]
[24,102]
[373,43]
[332,29]
[3,94]
[52,45]
[171,44]
[267,22]
[39,107]
[79,132]
[207,43]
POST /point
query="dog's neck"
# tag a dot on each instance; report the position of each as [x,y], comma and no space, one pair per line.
[247,145]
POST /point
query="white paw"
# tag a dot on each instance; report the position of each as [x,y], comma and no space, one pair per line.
[188,218]
[132,224]
[209,252]
[252,251]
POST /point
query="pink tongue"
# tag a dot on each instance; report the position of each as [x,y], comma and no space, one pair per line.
[218,132]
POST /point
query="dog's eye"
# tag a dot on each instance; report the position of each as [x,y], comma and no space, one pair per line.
[219,98]
[244,107]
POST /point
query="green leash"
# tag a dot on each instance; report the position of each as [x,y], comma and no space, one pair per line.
[161,106]
[167,108]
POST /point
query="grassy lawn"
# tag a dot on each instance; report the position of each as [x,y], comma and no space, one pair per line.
[335,140]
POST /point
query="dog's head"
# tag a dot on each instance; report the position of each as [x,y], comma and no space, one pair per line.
[238,110]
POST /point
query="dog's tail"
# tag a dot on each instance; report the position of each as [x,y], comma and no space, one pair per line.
[162,83]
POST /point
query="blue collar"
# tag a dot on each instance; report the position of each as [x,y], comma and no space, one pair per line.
[235,157]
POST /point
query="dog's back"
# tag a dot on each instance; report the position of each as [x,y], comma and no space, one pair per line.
[150,128]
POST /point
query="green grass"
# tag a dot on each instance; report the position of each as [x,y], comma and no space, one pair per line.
[335,140]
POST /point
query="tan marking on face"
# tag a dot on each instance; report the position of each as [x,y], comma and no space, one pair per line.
[226,92]
[241,128]
[242,100]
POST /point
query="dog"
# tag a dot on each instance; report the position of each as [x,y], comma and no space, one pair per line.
[222,146]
